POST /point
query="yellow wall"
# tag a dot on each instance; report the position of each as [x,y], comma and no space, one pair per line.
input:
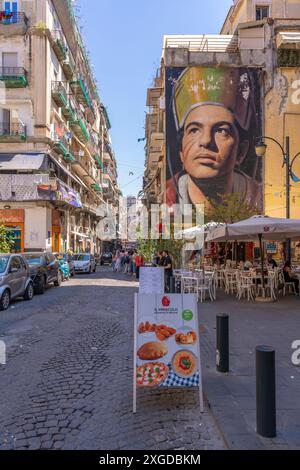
[282,118]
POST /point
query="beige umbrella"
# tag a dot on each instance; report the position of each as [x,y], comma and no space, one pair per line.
[258,227]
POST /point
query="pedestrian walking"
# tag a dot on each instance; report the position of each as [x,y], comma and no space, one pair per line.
[118,262]
[139,263]
[168,267]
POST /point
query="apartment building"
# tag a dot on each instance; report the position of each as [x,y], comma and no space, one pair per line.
[155,162]
[58,170]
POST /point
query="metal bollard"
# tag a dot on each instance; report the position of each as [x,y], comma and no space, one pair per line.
[222,353]
[178,286]
[265,391]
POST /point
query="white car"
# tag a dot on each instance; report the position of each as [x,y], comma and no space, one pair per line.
[84,263]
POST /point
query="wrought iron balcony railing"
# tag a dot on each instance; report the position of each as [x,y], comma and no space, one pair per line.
[8,18]
[12,129]
[14,77]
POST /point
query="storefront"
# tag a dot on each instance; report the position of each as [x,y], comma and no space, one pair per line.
[14,222]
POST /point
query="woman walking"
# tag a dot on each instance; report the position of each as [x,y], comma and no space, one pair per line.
[139,264]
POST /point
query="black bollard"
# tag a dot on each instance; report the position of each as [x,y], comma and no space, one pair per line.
[178,286]
[265,391]
[222,354]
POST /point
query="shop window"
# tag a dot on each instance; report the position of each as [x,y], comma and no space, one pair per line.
[262,11]
[15,232]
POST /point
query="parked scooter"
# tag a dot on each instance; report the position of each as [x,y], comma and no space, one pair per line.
[64,269]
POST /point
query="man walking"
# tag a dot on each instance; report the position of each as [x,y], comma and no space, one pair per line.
[168,267]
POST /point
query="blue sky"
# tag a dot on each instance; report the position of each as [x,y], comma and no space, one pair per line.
[124,39]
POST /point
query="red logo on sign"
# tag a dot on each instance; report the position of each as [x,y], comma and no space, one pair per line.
[166,301]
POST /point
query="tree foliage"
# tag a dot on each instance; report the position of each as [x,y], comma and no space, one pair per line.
[6,242]
[231,208]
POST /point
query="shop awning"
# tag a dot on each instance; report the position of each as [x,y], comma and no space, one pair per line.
[288,39]
[23,161]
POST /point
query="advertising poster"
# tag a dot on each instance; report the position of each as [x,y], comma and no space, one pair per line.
[166,349]
[213,116]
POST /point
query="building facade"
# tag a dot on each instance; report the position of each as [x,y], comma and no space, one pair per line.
[251,71]
[57,167]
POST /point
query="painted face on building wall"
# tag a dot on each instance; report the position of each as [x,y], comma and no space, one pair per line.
[211,144]
[212,120]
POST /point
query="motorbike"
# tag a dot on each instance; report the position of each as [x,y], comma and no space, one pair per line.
[64,269]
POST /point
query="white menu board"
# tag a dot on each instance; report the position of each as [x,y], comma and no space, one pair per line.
[152,280]
[166,343]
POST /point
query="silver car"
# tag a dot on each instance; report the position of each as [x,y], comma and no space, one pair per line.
[84,263]
[15,280]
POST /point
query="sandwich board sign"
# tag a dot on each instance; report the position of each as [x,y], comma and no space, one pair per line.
[152,280]
[166,343]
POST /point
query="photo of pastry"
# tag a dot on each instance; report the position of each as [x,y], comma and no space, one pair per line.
[186,338]
[151,374]
[152,351]
[184,363]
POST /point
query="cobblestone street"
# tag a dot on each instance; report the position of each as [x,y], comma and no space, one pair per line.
[67,383]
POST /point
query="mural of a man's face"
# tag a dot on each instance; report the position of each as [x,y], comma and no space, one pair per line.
[211,145]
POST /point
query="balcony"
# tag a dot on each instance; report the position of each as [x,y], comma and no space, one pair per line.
[96,187]
[68,112]
[61,147]
[59,94]
[12,132]
[68,66]
[13,23]
[80,130]
[14,77]
[59,45]
[98,162]
[79,89]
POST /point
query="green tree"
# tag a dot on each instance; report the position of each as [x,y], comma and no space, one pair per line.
[6,241]
[231,208]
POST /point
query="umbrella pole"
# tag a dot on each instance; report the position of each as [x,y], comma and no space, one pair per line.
[262,258]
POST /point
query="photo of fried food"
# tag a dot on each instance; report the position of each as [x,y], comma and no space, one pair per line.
[146,327]
[164,332]
[186,338]
[152,351]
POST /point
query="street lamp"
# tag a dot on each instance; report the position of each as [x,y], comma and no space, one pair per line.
[260,149]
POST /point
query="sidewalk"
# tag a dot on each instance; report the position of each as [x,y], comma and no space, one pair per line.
[232,397]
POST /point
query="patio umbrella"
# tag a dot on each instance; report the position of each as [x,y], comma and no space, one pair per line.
[194,232]
[258,227]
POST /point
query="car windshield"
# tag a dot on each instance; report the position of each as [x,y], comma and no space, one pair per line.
[3,263]
[82,258]
[33,259]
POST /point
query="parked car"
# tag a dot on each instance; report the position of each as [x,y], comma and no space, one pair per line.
[15,280]
[44,269]
[106,258]
[84,263]
[69,259]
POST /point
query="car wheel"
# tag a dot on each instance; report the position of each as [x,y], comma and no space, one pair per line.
[40,286]
[29,292]
[58,281]
[5,300]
